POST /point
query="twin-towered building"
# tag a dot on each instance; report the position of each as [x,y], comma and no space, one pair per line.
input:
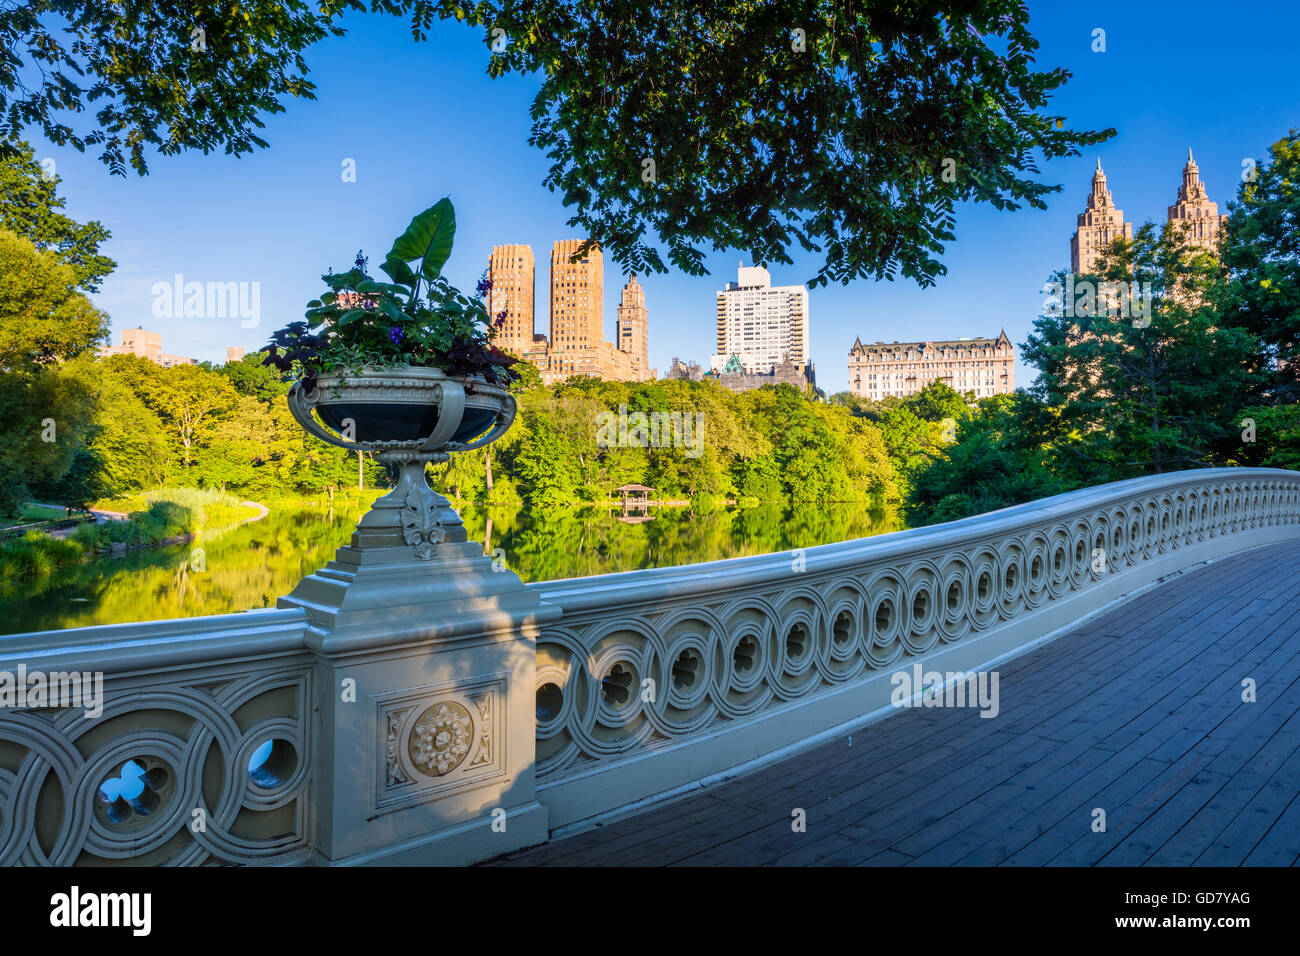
[1101,222]
[576,344]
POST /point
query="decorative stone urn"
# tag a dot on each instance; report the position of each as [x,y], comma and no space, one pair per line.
[407,417]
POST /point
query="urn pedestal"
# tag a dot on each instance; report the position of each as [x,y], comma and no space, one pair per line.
[426,653]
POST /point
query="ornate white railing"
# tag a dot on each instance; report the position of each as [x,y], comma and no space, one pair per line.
[439,711]
[653,679]
[189,703]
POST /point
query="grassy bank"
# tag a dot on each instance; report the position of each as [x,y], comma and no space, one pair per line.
[153,518]
[35,555]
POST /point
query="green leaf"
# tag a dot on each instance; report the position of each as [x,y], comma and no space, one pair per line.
[428,238]
[351,314]
[392,311]
[400,272]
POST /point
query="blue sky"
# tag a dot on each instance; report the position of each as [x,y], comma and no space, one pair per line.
[423,120]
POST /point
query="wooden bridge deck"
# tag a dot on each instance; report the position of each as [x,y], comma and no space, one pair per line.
[1139,712]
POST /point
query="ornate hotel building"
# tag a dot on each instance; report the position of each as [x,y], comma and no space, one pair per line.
[576,344]
[761,326]
[983,366]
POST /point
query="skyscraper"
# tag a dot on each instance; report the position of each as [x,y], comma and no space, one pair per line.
[633,322]
[1099,224]
[577,297]
[511,270]
[1199,218]
[761,324]
[576,344]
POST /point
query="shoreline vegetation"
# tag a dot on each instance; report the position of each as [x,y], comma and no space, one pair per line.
[156,518]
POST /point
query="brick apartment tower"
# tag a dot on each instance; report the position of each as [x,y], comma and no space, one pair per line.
[577,306]
[633,325]
[1198,216]
[1099,224]
[511,270]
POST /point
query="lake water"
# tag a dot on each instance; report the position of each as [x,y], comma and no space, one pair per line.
[252,565]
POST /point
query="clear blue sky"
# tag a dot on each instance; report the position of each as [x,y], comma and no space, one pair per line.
[423,121]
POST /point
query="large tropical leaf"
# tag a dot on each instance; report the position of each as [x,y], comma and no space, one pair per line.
[399,272]
[427,239]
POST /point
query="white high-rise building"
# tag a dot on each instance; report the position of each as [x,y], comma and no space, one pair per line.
[762,325]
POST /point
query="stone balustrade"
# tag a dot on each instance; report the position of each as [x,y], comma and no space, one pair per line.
[439,711]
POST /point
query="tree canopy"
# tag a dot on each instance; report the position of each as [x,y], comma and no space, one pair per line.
[43,318]
[29,206]
[848,130]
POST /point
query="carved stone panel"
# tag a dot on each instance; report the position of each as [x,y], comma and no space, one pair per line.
[436,739]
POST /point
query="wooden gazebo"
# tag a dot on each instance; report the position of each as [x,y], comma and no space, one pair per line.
[635,494]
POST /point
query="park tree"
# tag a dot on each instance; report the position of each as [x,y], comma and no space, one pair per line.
[186,398]
[251,376]
[43,318]
[1261,250]
[124,448]
[853,131]
[29,207]
[46,421]
[1145,386]
[1000,458]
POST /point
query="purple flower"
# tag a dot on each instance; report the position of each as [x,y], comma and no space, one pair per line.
[501,319]
[395,333]
[484,287]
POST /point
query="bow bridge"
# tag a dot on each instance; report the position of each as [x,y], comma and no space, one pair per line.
[973,692]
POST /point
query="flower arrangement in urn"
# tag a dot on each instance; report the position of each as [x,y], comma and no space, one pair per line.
[405,369]
[417,319]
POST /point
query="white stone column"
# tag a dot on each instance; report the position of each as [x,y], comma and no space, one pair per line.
[426,660]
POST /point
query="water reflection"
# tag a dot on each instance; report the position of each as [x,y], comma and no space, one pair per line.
[252,565]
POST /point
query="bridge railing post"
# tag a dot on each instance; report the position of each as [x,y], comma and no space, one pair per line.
[425,703]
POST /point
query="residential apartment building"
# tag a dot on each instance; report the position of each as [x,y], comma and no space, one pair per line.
[511,270]
[576,344]
[632,330]
[1099,224]
[1194,212]
[980,365]
[761,325]
[147,345]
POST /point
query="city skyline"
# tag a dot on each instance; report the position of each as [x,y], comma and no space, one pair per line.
[221,219]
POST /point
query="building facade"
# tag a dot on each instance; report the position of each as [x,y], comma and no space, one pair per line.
[1193,211]
[147,345]
[576,344]
[980,365]
[734,377]
[761,325]
[1099,224]
[511,271]
[632,331]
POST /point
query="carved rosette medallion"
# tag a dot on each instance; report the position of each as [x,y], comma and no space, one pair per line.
[440,739]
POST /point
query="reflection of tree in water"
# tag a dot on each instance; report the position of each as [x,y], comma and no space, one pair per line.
[577,542]
[252,565]
[244,567]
